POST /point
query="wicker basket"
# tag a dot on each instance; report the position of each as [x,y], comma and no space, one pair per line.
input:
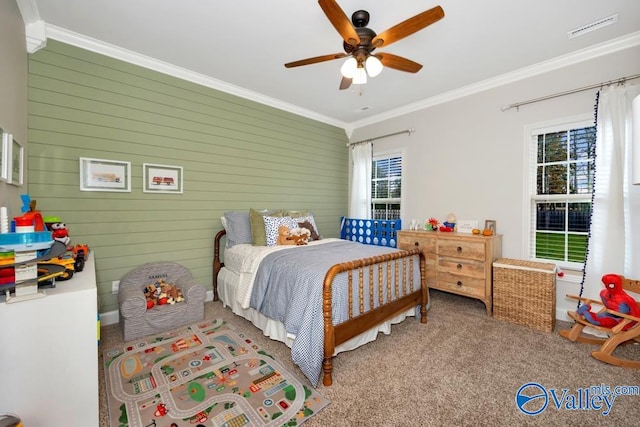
[524,292]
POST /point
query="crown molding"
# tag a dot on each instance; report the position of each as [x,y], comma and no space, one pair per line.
[36,35]
[40,31]
[595,51]
[29,11]
[34,27]
[97,46]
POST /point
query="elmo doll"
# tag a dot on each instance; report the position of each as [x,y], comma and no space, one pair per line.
[615,298]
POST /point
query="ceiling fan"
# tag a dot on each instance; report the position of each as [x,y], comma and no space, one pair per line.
[360,42]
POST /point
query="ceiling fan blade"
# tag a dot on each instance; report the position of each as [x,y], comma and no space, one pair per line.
[398,62]
[315,60]
[345,83]
[340,21]
[408,27]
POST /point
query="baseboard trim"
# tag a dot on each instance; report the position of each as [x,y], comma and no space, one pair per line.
[113,317]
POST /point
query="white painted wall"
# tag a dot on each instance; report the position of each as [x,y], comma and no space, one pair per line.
[467,156]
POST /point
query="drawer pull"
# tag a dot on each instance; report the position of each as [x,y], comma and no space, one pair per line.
[459,249]
[459,284]
[459,266]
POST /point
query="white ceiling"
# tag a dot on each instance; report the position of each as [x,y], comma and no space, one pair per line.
[241,46]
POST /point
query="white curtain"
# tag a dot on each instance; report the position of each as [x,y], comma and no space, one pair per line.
[614,245]
[360,205]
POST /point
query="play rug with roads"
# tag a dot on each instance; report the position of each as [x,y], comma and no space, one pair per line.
[207,373]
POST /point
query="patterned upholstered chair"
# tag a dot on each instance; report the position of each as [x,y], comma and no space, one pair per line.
[138,321]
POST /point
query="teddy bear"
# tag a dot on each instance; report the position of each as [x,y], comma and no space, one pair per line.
[300,235]
[161,293]
[294,236]
[173,293]
[284,236]
[151,293]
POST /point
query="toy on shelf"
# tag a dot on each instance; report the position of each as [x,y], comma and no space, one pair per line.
[449,224]
[60,232]
[431,224]
[80,253]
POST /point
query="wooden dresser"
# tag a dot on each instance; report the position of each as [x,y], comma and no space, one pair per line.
[460,263]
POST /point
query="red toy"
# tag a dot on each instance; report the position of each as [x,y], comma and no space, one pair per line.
[614,298]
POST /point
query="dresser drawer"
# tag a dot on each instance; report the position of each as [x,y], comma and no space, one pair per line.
[465,285]
[423,241]
[466,267]
[462,249]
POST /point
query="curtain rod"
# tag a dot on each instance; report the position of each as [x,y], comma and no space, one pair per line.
[568,92]
[409,131]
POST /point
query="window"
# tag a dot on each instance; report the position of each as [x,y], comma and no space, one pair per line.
[386,186]
[561,183]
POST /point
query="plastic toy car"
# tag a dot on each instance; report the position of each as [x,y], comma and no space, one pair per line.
[67,261]
[80,253]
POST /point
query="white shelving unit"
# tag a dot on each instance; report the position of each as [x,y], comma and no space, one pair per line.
[49,354]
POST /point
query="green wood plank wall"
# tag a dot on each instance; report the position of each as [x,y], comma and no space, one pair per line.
[236,154]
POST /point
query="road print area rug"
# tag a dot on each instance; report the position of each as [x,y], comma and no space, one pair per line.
[205,374]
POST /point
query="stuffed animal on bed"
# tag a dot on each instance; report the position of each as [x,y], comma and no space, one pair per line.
[615,298]
[292,236]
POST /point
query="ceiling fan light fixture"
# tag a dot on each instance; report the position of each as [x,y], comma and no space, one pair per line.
[349,68]
[373,65]
[360,77]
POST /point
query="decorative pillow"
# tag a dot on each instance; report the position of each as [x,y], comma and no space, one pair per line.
[296,214]
[258,236]
[310,219]
[271,225]
[238,228]
[309,226]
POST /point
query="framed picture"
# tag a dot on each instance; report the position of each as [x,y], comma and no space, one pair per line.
[16,163]
[161,178]
[4,155]
[490,224]
[104,175]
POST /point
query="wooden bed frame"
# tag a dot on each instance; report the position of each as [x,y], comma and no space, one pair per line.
[338,334]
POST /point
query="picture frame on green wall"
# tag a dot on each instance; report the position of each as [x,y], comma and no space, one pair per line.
[15,163]
[161,178]
[104,175]
[4,155]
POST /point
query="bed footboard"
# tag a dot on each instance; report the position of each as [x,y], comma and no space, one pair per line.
[405,297]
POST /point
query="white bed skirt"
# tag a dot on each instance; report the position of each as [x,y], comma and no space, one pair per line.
[227,285]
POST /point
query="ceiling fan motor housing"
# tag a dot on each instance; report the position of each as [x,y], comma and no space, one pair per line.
[360,18]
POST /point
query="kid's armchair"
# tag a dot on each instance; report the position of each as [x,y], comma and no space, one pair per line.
[137,321]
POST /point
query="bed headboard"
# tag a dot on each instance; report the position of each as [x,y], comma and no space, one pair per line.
[378,232]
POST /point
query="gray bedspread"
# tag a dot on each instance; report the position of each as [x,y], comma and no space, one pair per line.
[288,288]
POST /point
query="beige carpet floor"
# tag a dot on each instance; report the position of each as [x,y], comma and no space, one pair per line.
[462,368]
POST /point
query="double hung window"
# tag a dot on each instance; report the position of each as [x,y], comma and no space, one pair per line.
[386,186]
[561,168]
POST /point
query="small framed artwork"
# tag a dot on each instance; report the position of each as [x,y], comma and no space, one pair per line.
[16,163]
[4,155]
[466,225]
[490,224]
[162,178]
[104,175]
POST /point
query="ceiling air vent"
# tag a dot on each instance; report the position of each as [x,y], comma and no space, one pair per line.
[593,26]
